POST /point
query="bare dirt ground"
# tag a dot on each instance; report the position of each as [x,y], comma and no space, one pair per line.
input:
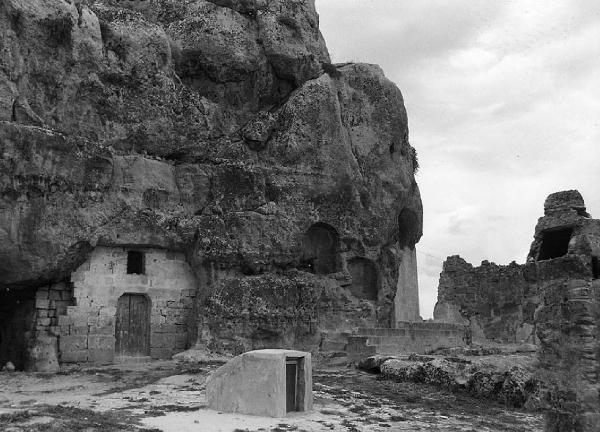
[165,396]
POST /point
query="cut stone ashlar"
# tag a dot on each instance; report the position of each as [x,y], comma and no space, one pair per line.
[269,382]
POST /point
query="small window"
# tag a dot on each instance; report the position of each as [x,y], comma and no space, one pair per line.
[595,267]
[135,262]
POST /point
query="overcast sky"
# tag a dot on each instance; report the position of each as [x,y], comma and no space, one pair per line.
[503,101]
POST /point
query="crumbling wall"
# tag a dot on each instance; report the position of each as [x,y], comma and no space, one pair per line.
[498,302]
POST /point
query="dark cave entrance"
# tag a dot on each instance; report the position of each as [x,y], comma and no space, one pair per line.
[17,325]
[321,247]
[595,267]
[554,244]
[364,278]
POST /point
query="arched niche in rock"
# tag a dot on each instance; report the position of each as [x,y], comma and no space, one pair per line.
[321,248]
[364,278]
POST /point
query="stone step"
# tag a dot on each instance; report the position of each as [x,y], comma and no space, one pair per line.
[386,340]
[379,332]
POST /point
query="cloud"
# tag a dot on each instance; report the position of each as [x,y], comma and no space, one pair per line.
[503,110]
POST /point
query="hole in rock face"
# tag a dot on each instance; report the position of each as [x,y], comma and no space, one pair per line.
[17,325]
[364,278]
[135,262]
[408,228]
[554,244]
[321,247]
[595,267]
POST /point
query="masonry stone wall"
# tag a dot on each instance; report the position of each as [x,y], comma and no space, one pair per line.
[87,331]
[569,331]
[497,301]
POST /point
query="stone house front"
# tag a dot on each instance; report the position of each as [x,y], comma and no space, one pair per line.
[128,302]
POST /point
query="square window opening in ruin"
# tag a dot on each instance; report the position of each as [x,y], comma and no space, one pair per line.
[595,267]
[555,244]
[294,384]
[135,262]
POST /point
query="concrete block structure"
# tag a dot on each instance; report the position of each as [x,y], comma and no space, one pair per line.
[269,382]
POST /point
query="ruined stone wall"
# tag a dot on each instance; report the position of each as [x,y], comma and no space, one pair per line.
[498,302]
[568,327]
[557,292]
[87,331]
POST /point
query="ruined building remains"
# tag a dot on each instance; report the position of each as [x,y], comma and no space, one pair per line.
[177,174]
[553,300]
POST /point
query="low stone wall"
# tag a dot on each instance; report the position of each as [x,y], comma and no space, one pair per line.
[407,337]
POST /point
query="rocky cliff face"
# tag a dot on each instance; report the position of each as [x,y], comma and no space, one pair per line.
[218,128]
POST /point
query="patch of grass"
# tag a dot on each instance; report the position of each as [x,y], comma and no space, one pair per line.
[75,420]
[178,408]
[17,417]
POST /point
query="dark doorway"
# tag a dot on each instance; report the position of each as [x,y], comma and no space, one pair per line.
[554,244]
[321,246]
[364,278]
[135,262]
[17,322]
[595,267]
[132,329]
[294,384]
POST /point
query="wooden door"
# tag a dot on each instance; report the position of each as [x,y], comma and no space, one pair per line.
[291,380]
[132,330]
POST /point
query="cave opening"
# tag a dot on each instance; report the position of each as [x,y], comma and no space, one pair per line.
[321,248]
[364,278]
[555,244]
[595,267]
[17,325]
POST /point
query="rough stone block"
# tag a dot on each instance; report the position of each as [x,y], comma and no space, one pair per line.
[65,320]
[162,340]
[42,303]
[329,345]
[44,321]
[42,295]
[79,330]
[101,356]
[164,328]
[73,343]
[161,353]
[101,342]
[78,356]
[54,295]
[108,311]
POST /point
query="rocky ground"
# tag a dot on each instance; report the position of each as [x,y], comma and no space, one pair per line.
[166,396]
